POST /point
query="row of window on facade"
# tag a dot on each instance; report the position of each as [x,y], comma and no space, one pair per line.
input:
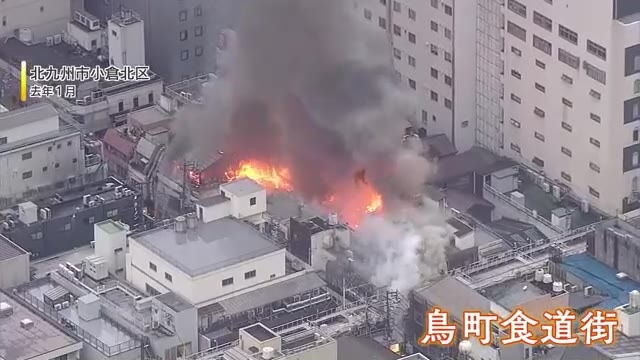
[29,174]
[225,282]
[136,102]
[183,15]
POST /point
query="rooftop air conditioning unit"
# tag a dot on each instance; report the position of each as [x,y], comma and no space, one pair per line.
[57,38]
[58,307]
[92,203]
[87,99]
[80,102]
[49,41]
[94,25]
[65,304]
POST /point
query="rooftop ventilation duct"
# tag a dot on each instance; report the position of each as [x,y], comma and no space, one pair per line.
[5,310]
[268,353]
[181,224]
[26,324]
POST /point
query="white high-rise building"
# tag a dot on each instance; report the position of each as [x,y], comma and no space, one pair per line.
[422,34]
[572,95]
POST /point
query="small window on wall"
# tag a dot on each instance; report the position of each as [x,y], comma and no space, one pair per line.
[252,201]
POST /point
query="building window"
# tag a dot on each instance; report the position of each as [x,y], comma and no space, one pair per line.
[566,151]
[120,106]
[434,49]
[515,148]
[447,56]
[45,168]
[434,96]
[27,156]
[594,192]
[396,30]
[636,89]
[184,55]
[517,8]
[515,123]
[539,112]
[112,213]
[594,167]
[411,60]
[594,142]
[565,176]
[634,159]
[412,83]
[151,291]
[434,73]
[136,102]
[74,160]
[566,126]
[27,175]
[67,226]
[412,38]
[425,116]
[168,277]
[382,22]
[595,73]
[568,58]
[198,30]
[447,33]
[594,94]
[3,140]
[184,35]
[252,201]
[542,21]
[596,50]
[634,184]
[568,34]
[448,10]
[567,102]
[595,117]
[383,2]
[464,124]
[182,15]
[566,78]
[516,98]
[536,160]
[434,3]
[516,74]
[91,219]
[397,53]
[150,98]
[397,7]
[250,274]
[367,14]
[197,11]
[517,31]
[448,104]
[227,281]
[542,44]
[540,64]
[4,21]
[635,134]
[538,136]
[56,165]
[540,87]
[516,51]
[412,14]
[447,80]
[153,266]
[199,50]
[434,26]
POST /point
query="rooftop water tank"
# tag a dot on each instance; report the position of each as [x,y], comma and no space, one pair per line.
[634,299]
[557,287]
[547,279]
[539,275]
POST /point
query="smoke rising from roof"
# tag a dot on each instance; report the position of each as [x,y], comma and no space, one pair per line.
[306,85]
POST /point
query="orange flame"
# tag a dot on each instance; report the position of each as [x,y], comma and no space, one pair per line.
[351,202]
[268,176]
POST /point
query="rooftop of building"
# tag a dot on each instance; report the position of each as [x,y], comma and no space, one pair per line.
[242,187]
[260,332]
[208,247]
[601,277]
[536,198]
[111,227]
[26,115]
[363,348]
[69,201]
[149,118]
[190,90]
[9,250]
[461,229]
[452,296]
[17,343]
[9,91]
[318,224]
[14,51]
[512,293]
[174,301]
[116,140]
[50,136]
[516,233]
[476,160]
[439,146]
[265,295]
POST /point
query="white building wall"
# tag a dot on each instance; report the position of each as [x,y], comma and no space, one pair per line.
[564,138]
[110,244]
[126,43]
[422,37]
[14,271]
[85,38]
[51,161]
[205,287]
[43,17]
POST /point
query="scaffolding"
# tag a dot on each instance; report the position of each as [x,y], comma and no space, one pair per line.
[489,73]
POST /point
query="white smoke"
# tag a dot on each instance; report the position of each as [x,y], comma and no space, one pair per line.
[404,247]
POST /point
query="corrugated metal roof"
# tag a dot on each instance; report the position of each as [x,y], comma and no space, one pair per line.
[119,142]
[9,250]
[29,114]
[602,277]
[269,294]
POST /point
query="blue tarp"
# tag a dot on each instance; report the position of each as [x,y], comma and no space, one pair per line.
[602,277]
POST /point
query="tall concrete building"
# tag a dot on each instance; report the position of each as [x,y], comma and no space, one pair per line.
[572,95]
[181,37]
[433,45]
[34,19]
